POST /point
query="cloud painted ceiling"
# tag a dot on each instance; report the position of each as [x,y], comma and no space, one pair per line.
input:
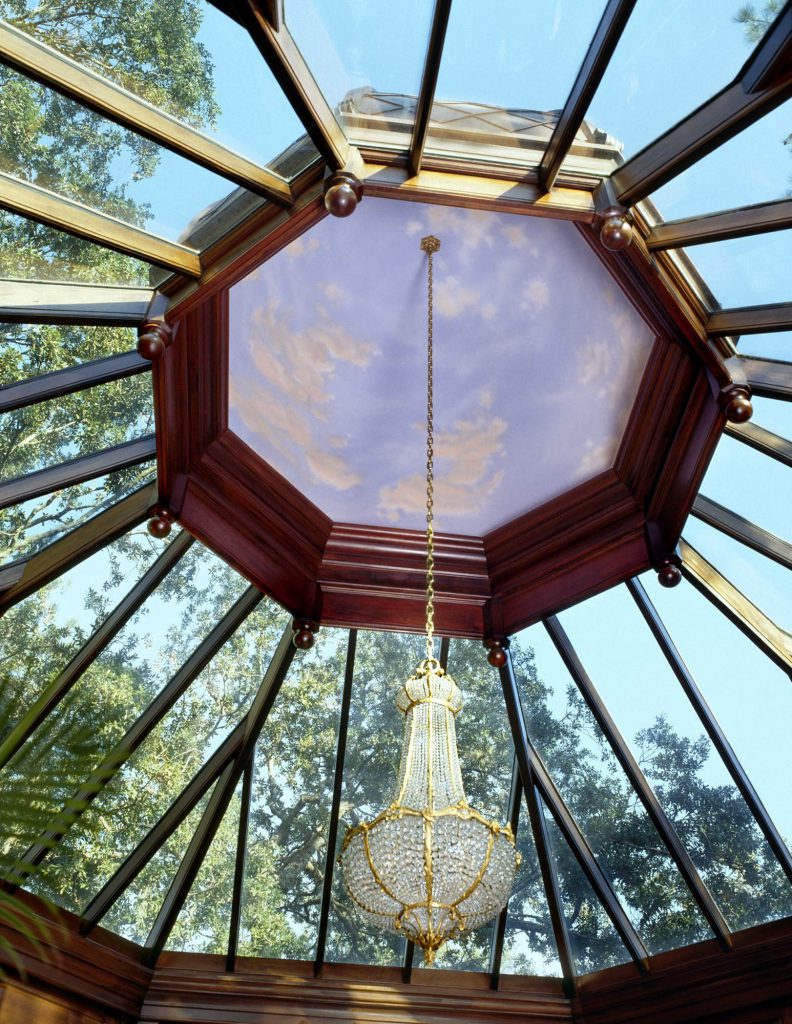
[538,357]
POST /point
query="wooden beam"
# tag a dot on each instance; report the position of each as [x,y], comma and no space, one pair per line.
[769,378]
[715,122]
[72,379]
[37,60]
[774,642]
[240,863]
[710,723]
[608,33]
[773,61]
[116,758]
[533,773]
[499,936]
[77,471]
[219,800]
[750,319]
[20,579]
[716,227]
[58,302]
[293,75]
[743,530]
[423,108]
[57,211]
[763,441]
[335,807]
[640,784]
[54,693]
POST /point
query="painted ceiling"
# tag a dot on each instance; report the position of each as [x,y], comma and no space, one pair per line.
[538,357]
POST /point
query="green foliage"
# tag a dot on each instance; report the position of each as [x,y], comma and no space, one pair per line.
[757,20]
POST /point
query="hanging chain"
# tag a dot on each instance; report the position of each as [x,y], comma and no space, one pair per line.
[430,245]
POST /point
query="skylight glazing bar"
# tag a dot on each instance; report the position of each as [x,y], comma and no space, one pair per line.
[53,69]
[20,579]
[710,723]
[115,759]
[715,122]
[595,63]
[67,215]
[749,619]
[769,378]
[292,74]
[423,108]
[93,647]
[150,845]
[743,530]
[71,380]
[220,799]
[86,305]
[761,440]
[240,863]
[750,319]
[338,781]
[534,774]
[639,783]
[78,471]
[496,950]
[717,227]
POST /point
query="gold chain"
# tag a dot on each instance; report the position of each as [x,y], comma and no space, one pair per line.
[430,245]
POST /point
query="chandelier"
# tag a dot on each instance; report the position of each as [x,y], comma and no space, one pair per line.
[429,866]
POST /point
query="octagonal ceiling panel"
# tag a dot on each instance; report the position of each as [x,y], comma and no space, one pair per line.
[538,358]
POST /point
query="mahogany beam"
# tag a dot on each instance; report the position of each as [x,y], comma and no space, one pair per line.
[240,863]
[115,759]
[640,784]
[710,723]
[750,620]
[423,108]
[761,440]
[715,122]
[743,530]
[768,378]
[60,302]
[606,38]
[750,320]
[71,380]
[513,814]
[717,227]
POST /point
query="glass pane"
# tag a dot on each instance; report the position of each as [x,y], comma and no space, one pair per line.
[773,415]
[667,739]
[382,663]
[33,252]
[670,59]
[776,345]
[30,350]
[39,635]
[210,84]
[31,526]
[290,807]
[753,167]
[757,487]
[764,582]
[135,911]
[73,152]
[757,728]
[202,924]
[82,423]
[366,58]
[749,271]
[152,778]
[594,941]
[597,792]
[497,85]
[119,685]
[529,946]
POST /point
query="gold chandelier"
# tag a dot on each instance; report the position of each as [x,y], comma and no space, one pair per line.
[429,866]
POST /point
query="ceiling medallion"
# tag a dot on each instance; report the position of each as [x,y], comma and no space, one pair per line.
[429,866]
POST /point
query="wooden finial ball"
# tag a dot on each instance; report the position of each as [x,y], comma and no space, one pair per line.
[739,409]
[343,192]
[160,527]
[616,231]
[669,575]
[496,653]
[153,341]
[303,639]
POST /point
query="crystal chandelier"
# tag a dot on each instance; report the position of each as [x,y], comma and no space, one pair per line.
[429,866]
